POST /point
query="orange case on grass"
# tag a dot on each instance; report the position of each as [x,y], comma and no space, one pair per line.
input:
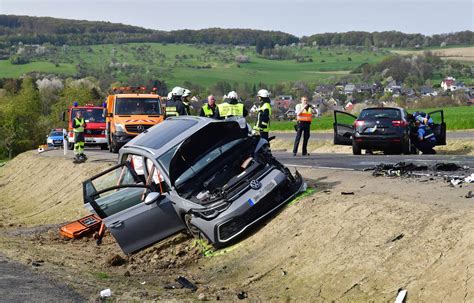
[81,227]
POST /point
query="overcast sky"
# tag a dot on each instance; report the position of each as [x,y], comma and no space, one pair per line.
[293,16]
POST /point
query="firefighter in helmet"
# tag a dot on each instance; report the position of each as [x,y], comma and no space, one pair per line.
[174,106]
[231,107]
[264,113]
[79,125]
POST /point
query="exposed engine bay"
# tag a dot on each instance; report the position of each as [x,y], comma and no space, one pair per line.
[231,172]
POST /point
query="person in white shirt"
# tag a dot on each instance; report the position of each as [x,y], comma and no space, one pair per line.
[304,116]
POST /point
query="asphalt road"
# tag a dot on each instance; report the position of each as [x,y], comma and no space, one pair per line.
[450,135]
[20,283]
[331,161]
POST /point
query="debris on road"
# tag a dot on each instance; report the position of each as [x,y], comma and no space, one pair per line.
[409,170]
[401,296]
[347,193]
[186,283]
[469,195]
[396,238]
[37,263]
[105,293]
[242,295]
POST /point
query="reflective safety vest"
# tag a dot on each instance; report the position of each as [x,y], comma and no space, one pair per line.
[305,115]
[207,110]
[227,109]
[266,125]
[79,122]
[171,111]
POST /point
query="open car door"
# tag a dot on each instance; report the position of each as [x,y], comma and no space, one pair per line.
[438,127]
[343,127]
[118,196]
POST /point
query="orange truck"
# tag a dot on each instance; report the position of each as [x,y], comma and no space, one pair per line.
[129,111]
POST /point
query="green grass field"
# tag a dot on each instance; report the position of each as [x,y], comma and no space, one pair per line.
[203,65]
[456,118]
[9,70]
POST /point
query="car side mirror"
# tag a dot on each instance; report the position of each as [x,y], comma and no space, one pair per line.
[152,198]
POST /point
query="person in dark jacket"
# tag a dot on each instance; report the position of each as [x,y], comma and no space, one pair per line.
[174,106]
[426,138]
[209,109]
[264,113]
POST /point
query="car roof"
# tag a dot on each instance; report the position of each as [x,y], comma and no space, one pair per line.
[137,96]
[177,129]
[382,108]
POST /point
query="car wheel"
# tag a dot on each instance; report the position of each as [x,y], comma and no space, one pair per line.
[356,150]
[113,148]
[193,230]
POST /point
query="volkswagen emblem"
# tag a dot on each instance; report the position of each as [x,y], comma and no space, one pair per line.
[140,128]
[255,184]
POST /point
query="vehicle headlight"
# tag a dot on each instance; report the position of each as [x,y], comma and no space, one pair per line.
[119,127]
[49,140]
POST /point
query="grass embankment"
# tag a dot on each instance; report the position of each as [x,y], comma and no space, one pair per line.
[456,118]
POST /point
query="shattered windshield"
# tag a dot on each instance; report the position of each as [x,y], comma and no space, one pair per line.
[138,106]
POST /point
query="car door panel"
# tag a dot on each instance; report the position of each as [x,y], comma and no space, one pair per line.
[117,195]
[343,127]
[142,225]
[439,126]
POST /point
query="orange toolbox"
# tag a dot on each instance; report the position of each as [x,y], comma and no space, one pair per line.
[81,227]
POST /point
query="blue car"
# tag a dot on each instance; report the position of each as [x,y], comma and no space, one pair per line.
[55,138]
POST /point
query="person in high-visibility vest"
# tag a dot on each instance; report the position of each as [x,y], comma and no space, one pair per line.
[231,107]
[185,100]
[264,113]
[174,105]
[304,116]
[208,109]
[79,125]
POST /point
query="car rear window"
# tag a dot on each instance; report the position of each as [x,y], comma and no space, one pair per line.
[381,113]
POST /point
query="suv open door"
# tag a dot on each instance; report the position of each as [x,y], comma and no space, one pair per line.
[118,196]
[343,127]
[438,127]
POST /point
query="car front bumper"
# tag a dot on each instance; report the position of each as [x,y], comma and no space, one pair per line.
[251,207]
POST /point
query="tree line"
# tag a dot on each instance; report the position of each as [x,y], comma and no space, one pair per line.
[390,39]
[39,30]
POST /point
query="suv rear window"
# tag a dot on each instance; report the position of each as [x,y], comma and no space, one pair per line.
[380,113]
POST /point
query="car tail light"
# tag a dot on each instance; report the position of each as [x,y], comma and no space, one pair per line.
[399,123]
[359,123]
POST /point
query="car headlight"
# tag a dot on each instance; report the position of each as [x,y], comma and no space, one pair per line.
[119,127]
[49,140]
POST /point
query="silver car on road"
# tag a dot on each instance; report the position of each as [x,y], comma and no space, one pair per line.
[211,178]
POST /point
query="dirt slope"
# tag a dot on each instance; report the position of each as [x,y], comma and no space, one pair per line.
[391,234]
[41,190]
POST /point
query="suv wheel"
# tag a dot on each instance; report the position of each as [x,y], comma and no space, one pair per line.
[356,150]
[406,147]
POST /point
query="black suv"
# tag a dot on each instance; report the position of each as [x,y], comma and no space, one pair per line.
[382,128]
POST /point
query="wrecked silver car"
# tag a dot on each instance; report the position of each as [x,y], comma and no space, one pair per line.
[211,178]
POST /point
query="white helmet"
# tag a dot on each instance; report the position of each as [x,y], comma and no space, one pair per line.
[232,95]
[177,91]
[263,93]
[186,92]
